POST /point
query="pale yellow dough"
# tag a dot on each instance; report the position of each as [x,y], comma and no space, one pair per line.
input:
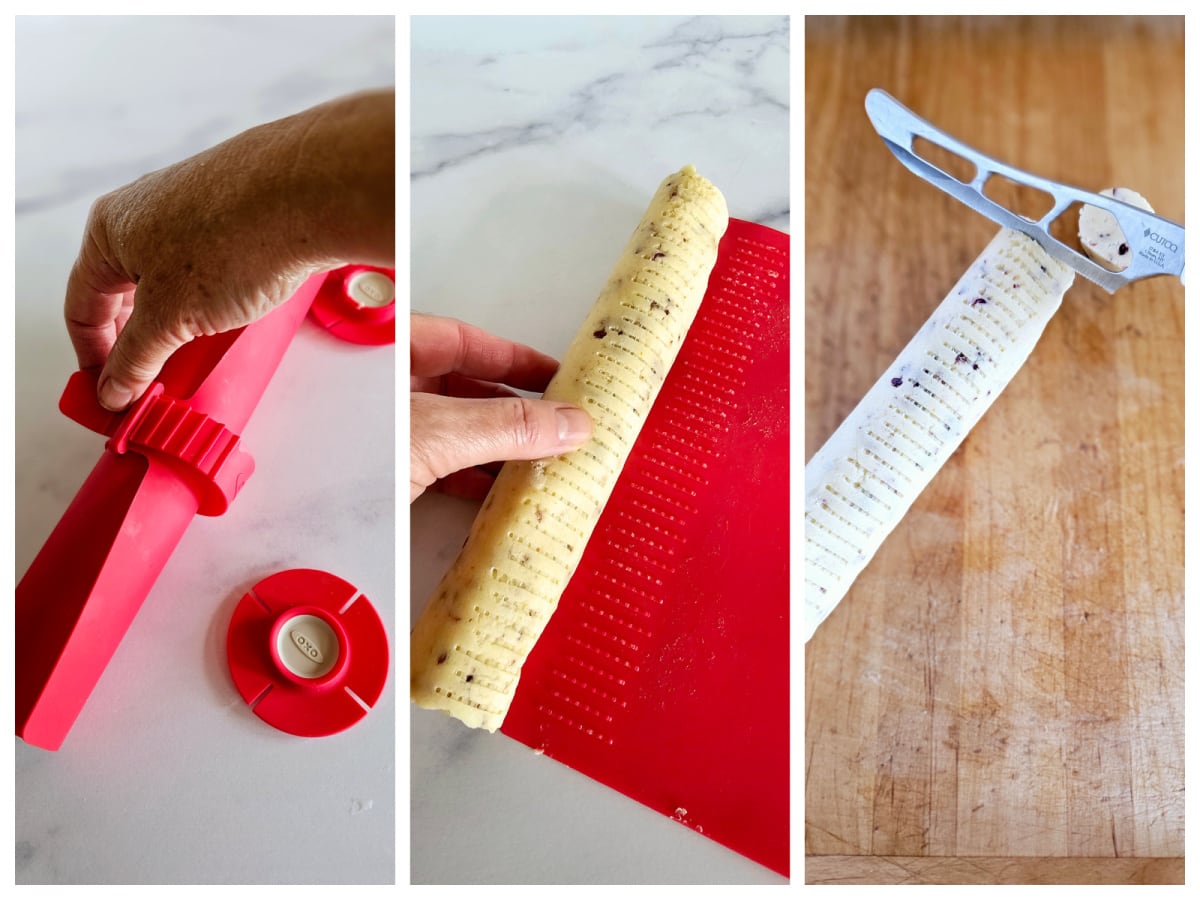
[477,630]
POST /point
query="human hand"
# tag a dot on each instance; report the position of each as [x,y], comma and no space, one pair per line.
[218,240]
[463,416]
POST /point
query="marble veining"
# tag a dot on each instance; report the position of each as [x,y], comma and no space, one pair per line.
[75,142]
[693,76]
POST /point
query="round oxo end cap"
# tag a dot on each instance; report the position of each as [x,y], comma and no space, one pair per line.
[308,652]
[358,304]
[371,288]
[307,645]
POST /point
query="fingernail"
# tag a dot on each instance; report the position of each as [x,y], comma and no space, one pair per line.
[574,425]
[114,395]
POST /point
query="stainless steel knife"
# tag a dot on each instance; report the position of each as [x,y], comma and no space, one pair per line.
[1155,243]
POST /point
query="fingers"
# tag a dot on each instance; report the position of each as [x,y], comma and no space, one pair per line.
[135,360]
[93,337]
[439,346]
[103,323]
[452,434]
[98,301]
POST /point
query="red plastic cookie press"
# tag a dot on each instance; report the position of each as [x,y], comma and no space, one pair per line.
[173,454]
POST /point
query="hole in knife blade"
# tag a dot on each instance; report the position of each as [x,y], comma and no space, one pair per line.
[1096,232]
[1065,227]
[957,167]
[1026,201]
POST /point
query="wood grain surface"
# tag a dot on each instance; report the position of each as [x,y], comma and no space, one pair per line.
[1005,679]
[992,870]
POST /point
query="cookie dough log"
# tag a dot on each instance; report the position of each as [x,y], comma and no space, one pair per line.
[860,484]
[469,644]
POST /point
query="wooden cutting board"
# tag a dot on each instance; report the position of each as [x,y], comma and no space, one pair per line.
[1000,695]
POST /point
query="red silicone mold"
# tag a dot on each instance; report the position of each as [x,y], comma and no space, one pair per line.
[664,672]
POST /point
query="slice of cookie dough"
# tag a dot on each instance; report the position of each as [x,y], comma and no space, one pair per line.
[1100,235]
[469,644]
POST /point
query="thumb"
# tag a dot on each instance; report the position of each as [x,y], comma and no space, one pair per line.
[135,360]
[451,433]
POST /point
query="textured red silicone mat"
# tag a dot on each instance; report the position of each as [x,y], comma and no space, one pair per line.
[664,671]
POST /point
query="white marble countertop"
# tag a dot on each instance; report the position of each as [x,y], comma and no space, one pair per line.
[536,145]
[167,776]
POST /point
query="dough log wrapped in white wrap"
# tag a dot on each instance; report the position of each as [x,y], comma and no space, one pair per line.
[488,611]
[860,484]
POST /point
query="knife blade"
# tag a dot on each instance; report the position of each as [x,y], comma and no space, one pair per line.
[1156,244]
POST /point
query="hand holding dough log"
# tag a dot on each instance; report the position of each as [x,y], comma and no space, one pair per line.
[488,611]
